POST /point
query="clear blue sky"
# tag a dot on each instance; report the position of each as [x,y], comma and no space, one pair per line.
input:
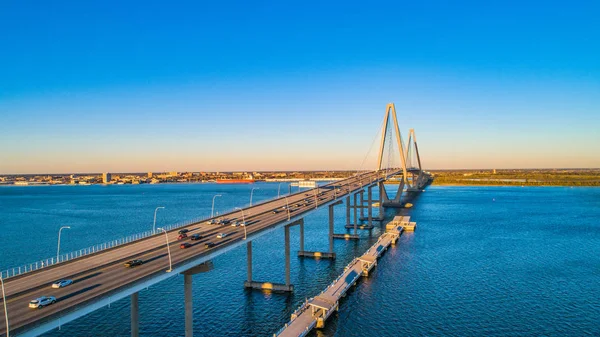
[225,85]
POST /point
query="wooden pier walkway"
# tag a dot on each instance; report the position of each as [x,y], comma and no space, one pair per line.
[315,311]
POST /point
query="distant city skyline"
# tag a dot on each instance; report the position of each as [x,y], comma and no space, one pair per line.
[269,87]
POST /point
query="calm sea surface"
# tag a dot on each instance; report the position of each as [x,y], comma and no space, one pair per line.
[487,261]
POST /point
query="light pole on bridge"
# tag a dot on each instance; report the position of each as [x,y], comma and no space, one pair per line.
[58,248]
[212,211]
[252,192]
[154,225]
[287,207]
[5,310]
[243,222]
[278,190]
[168,250]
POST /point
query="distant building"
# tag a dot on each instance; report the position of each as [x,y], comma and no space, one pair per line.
[106,177]
[494,171]
[149,174]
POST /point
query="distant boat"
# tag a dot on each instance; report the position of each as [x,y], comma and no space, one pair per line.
[235,181]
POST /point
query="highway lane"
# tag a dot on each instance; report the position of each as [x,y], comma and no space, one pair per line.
[101,274]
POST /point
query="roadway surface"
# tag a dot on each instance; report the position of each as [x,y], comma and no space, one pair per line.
[101,274]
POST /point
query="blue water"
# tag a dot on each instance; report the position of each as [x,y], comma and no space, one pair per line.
[493,261]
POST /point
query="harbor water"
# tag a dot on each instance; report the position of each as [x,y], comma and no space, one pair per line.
[488,261]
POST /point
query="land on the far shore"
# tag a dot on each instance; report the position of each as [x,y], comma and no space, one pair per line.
[519,177]
[514,177]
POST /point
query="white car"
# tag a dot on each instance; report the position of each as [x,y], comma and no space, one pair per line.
[221,235]
[62,283]
[41,302]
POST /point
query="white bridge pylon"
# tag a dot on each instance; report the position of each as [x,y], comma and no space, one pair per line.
[405,153]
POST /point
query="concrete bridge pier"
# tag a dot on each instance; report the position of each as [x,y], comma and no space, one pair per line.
[187,294]
[355,213]
[348,210]
[135,315]
[348,226]
[362,204]
[370,203]
[276,287]
[320,255]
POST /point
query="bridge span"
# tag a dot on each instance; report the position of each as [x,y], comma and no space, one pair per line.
[100,278]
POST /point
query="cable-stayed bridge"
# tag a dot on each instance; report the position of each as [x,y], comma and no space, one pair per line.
[99,277]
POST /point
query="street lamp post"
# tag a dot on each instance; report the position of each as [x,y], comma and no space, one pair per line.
[58,248]
[316,200]
[154,225]
[278,190]
[5,312]
[252,192]
[243,222]
[212,211]
[168,250]
[287,207]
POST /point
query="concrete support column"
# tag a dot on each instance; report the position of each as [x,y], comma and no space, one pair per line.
[249,258]
[355,213]
[362,204]
[381,194]
[348,210]
[135,315]
[287,256]
[302,235]
[370,201]
[331,228]
[189,310]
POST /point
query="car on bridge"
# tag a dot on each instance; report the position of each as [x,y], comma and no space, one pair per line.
[182,236]
[185,245]
[274,211]
[41,302]
[221,235]
[195,237]
[61,283]
[183,231]
[209,245]
[133,263]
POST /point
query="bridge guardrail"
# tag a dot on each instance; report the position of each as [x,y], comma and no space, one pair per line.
[26,268]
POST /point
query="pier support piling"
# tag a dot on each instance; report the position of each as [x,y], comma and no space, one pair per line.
[355,214]
[287,256]
[331,228]
[362,203]
[189,309]
[135,315]
[348,210]
[249,259]
[370,201]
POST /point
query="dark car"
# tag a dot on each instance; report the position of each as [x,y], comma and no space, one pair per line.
[196,237]
[185,245]
[183,231]
[182,236]
[209,245]
[133,263]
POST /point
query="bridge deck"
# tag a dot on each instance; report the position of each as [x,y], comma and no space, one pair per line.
[315,311]
[101,278]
